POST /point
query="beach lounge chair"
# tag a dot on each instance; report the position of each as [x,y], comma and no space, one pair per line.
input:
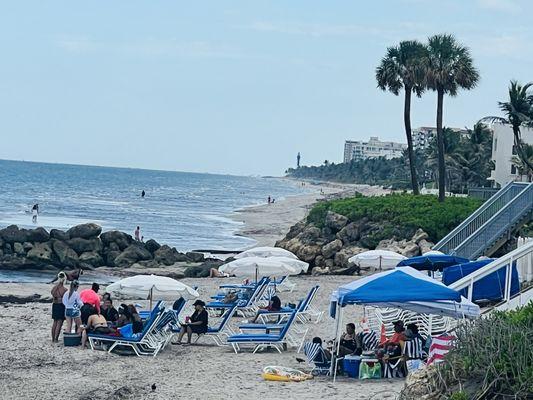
[262,340]
[149,342]
[306,310]
[245,307]
[316,358]
[295,337]
[369,340]
[222,331]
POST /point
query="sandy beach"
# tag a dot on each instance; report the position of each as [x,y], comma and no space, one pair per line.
[268,223]
[38,369]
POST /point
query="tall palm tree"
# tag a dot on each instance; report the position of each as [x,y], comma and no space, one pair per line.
[402,68]
[449,67]
[519,111]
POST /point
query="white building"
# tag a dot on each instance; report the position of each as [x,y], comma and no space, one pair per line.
[503,151]
[374,148]
[424,135]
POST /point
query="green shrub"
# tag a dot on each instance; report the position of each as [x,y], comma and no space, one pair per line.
[404,213]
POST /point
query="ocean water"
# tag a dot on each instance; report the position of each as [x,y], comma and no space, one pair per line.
[185,210]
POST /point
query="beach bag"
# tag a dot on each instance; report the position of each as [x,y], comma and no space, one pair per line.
[413,365]
[370,370]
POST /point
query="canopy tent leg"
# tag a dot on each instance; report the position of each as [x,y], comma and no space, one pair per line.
[338,317]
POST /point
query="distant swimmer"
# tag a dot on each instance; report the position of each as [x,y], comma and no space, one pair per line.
[269,200]
[138,234]
[35,213]
[143,194]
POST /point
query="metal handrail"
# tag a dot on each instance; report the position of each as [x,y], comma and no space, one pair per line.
[513,211]
[465,224]
[481,217]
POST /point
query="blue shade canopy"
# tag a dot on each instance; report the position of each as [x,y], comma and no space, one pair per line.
[400,285]
[432,262]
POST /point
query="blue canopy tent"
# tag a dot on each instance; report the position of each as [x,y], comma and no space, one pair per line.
[432,262]
[405,288]
[492,287]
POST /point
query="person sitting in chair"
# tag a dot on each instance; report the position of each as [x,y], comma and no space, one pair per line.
[322,357]
[196,323]
[274,305]
[97,324]
[350,342]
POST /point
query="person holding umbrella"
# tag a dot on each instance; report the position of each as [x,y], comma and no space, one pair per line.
[196,323]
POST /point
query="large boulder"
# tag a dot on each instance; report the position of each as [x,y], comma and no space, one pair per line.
[335,221]
[342,256]
[193,256]
[310,235]
[202,271]
[309,253]
[80,245]
[122,239]
[91,258]
[7,249]
[425,246]
[13,234]
[27,246]
[59,234]
[351,232]
[168,255]
[38,235]
[151,245]
[42,252]
[18,249]
[110,256]
[85,231]
[132,254]
[419,235]
[331,248]
[67,257]
[410,249]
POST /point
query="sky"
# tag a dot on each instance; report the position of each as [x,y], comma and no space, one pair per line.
[237,87]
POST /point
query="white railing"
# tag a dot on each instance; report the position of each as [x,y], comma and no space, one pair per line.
[522,253]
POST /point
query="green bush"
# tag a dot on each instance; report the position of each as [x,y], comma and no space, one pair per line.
[403,213]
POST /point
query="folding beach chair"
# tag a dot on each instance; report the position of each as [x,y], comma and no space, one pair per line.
[316,358]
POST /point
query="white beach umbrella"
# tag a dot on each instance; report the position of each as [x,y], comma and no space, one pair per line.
[261,266]
[433,253]
[266,251]
[152,286]
[377,259]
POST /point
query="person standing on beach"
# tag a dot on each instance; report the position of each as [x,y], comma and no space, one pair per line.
[35,213]
[137,234]
[72,303]
[58,308]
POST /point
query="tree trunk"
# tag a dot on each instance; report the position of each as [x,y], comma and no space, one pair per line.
[520,149]
[410,150]
[440,146]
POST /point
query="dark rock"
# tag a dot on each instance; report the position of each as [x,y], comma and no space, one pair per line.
[342,256]
[85,231]
[80,245]
[113,247]
[309,253]
[7,249]
[148,264]
[319,261]
[19,249]
[331,248]
[419,235]
[131,255]
[335,221]
[1,253]
[202,271]
[67,257]
[13,234]
[351,269]
[296,229]
[110,257]
[91,258]
[351,232]
[151,245]
[168,255]
[122,239]
[310,235]
[27,246]
[42,252]
[37,235]
[59,235]
[194,256]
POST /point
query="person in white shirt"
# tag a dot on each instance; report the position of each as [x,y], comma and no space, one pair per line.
[73,303]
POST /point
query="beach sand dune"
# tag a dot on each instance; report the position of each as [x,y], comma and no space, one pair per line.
[34,368]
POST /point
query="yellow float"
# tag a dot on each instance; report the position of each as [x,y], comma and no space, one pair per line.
[284,374]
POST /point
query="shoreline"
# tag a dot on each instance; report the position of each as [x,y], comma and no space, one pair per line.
[268,223]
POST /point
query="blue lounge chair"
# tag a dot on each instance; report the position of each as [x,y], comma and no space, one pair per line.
[306,310]
[262,340]
[244,306]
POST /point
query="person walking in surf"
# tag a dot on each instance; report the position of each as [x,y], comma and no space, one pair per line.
[35,213]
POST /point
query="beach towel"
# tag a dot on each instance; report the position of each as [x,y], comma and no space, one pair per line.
[440,346]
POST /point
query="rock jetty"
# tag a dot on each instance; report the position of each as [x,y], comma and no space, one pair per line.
[86,246]
[328,248]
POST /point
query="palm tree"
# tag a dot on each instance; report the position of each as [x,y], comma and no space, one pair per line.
[523,164]
[401,68]
[449,67]
[519,111]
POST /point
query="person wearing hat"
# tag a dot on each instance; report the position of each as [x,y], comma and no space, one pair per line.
[196,323]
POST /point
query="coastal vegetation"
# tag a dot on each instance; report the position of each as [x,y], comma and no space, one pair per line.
[467,158]
[400,214]
[492,358]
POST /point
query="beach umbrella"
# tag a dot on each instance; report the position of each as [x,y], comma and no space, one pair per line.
[433,253]
[266,251]
[432,262]
[152,286]
[377,259]
[264,266]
